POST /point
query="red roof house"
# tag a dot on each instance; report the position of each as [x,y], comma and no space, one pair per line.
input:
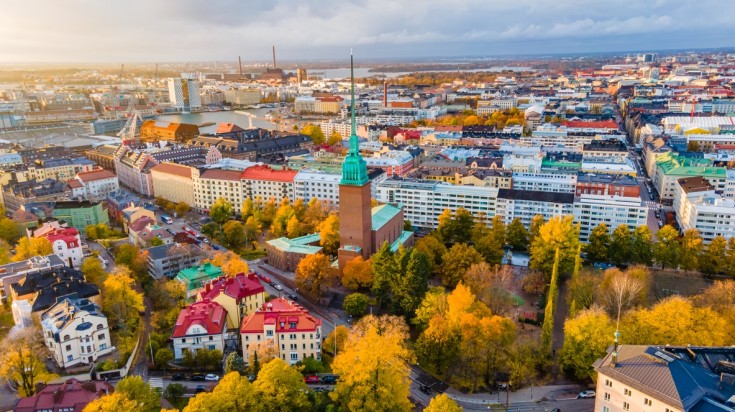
[200,325]
[239,295]
[71,395]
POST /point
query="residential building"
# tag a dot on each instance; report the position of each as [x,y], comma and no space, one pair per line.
[670,168]
[142,231]
[610,149]
[612,210]
[698,206]
[201,325]
[103,156]
[545,181]
[80,214]
[607,184]
[524,205]
[174,182]
[169,259]
[213,184]
[76,332]
[665,378]
[240,295]
[157,130]
[65,241]
[285,254]
[266,183]
[286,328]
[94,185]
[183,92]
[17,194]
[133,170]
[14,272]
[70,396]
[118,201]
[311,184]
[194,278]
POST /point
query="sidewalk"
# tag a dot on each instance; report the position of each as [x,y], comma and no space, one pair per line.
[531,394]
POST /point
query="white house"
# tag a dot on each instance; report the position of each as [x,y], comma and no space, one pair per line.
[94,184]
[201,325]
[65,242]
[76,331]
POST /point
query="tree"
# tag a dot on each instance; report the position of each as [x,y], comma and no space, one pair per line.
[134,388]
[9,230]
[373,369]
[409,286]
[313,274]
[336,340]
[280,222]
[315,132]
[358,273]
[221,210]
[714,257]
[155,241]
[491,286]
[547,329]
[21,361]
[335,139]
[30,247]
[693,146]
[456,261]
[281,387]
[234,363]
[455,227]
[442,403]
[433,249]
[385,271]
[233,393]
[729,266]
[598,244]
[230,262]
[522,360]
[620,245]
[182,208]
[163,357]
[233,234]
[251,229]
[640,245]
[720,296]
[691,249]
[329,234]
[534,283]
[667,251]
[558,233]
[517,235]
[581,292]
[248,208]
[491,241]
[586,338]
[355,304]
[93,270]
[131,257]
[114,402]
[534,228]
[120,302]
[620,292]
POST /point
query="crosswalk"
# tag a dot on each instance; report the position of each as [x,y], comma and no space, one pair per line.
[156,382]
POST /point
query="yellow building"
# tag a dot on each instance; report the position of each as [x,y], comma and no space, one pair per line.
[239,295]
[174,182]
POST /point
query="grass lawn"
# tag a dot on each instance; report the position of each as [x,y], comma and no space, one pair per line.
[6,323]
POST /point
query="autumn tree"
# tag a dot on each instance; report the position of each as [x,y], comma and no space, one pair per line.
[534,228]
[230,262]
[335,139]
[640,245]
[134,259]
[491,286]
[620,291]
[313,274]
[442,403]
[233,393]
[455,227]
[667,251]
[581,292]
[251,229]
[336,340]
[373,369]
[523,359]
[490,243]
[10,231]
[114,402]
[30,247]
[586,339]
[315,132]
[22,361]
[456,261]
[221,210]
[281,387]
[620,245]
[93,270]
[182,208]
[358,273]
[558,233]
[517,235]
[355,304]
[729,264]
[4,252]
[121,303]
[598,244]
[714,256]
[329,234]
[135,388]
[433,249]
[691,249]
[534,283]
[233,234]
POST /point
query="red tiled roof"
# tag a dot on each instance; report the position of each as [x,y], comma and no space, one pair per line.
[264,172]
[68,235]
[605,124]
[276,312]
[238,287]
[139,224]
[75,184]
[207,314]
[97,174]
[173,169]
[220,174]
[448,128]
[228,128]
[70,394]
[21,216]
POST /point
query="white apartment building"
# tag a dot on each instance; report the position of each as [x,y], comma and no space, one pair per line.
[201,325]
[183,92]
[284,327]
[76,332]
[213,184]
[310,184]
[524,205]
[545,181]
[698,207]
[424,200]
[66,242]
[591,210]
[95,184]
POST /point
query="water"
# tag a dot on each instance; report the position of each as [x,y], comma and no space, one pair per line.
[221,117]
[344,73]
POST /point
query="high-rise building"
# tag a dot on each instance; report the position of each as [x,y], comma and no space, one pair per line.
[301,75]
[183,92]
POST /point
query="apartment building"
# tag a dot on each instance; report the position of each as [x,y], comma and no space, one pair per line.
[670,168]
[240,295]
[285,327]
[607,184]
[524,205]
[698,206]
[80,214]
[66,242]
[167,260]
[174,182]
[612,210]
[17,194]
[310,184]
[94,185]
[264,182]
[213,184]
[543,181]
[201,325]
[76,332]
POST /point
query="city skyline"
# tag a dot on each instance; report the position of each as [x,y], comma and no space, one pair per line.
[194,30]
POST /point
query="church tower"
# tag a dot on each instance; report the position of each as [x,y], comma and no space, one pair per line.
[355,217]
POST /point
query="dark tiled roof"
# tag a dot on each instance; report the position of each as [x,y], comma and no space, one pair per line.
[536,196]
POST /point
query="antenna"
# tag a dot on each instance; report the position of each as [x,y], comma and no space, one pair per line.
[353,127]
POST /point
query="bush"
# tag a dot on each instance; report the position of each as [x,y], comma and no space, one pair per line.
[356,304]
[311,366]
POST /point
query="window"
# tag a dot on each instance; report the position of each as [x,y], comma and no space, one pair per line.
[68,347]
[211,338]
[101,336]
[66,337]
[608,383]
[269,333]
[626,406]
[69,358]
[627,392]
[607,396]
[103,346]
[647,402]
[294,357]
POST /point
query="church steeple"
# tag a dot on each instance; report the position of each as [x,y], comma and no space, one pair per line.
[354,168]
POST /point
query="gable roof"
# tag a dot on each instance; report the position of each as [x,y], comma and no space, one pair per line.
[172,169]
[98,174]
[264,172]
[281,313]
[70,394]
[237,287]
[211,316]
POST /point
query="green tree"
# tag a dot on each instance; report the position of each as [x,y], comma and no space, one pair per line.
[10,231]
[691,248]
[232,394]
[641,247]
[561,233]
[155,241]
[620,245]
[433,249]
[714,256]
[599,242]
[182,208]
[315,132]
[163,357]
[22,361]
[456,261]
[93,270]
[547,328]
[335,139]
[385,271]
[534,228]
[233,234]
[455,227]
[517,235]
[281,387]
[221,210]
[355,304]
[138,390]
[251,229]
[234,363]
[667,251]
[409,287]
[586,339]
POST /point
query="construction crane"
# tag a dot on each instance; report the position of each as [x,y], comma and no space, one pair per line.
[128,132]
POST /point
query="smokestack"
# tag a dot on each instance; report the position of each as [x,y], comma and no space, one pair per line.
[239,62]
[274,56]
[385,93]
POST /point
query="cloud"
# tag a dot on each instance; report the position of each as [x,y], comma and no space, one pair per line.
[191,30]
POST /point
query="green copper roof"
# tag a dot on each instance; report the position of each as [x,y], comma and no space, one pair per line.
[195,277]
[680,166]
[300,245]
[405,235]
[354,168]
[382,214]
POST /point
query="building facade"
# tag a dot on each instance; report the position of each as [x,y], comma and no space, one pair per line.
[174,182]
[240,295]
[201,325]
[183,92]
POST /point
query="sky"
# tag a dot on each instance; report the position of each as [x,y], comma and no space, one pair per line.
[206,30]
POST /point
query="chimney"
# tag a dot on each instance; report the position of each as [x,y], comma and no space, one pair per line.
[385,93]
[274,56]
[239,62]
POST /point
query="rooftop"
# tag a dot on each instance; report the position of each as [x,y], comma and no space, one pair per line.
[98,174]
[70,395]
[286,316]
[303,245]
[264,172]
[695,184]
[383,214]
[173,169]
[210,316]
[238,287]
[536,196]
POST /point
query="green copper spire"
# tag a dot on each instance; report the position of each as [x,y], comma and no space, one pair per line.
[354,168]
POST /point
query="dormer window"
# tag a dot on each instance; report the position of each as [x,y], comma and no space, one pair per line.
[292,325]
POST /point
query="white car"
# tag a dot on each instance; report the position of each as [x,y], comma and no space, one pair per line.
[211,377]
[277,286]
[587,394]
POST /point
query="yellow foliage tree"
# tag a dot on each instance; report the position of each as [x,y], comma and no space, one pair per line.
[120,301]
[586,338]
[358,273]
[281,387]
[443,403]
[114,402]
[233,393]
[30,247]
[373,368]
[313,273]
[21,361]
[265,351]
[230,262]
[329,234]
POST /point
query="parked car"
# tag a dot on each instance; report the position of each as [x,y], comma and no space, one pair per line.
[292,297]
[252,378]
[425,389]
[215,247]
[265,279]
[178,377]
[329,379]
[587,394]
[276,286]
[197,378]
[200,389]
[211,377]
[311,379]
